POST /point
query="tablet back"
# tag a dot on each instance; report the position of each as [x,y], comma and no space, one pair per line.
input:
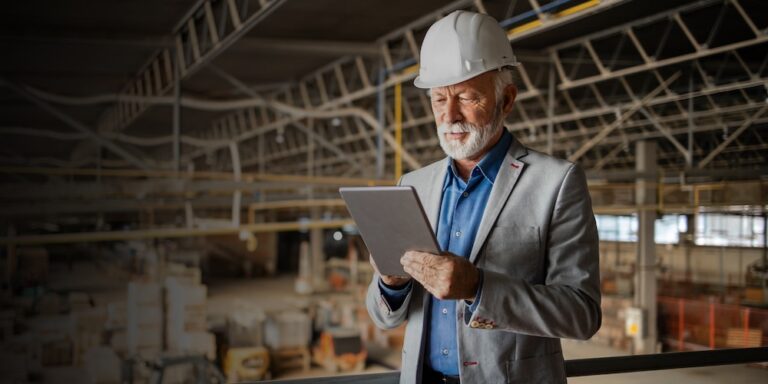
[391,221]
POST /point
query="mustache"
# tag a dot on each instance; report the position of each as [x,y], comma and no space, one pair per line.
[456,128]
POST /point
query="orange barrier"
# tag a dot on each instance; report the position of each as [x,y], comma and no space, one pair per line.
[701,324]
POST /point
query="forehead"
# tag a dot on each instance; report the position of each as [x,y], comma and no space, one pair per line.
[483,83]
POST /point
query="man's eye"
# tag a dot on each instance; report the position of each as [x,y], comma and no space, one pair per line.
[466,99]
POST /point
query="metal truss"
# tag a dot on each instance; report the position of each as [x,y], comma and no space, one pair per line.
[204,32]
[610,88]
[695,76]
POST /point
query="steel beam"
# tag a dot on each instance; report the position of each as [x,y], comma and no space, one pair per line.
[733,136]
[190,55]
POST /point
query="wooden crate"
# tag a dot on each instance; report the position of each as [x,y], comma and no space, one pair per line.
[286,359]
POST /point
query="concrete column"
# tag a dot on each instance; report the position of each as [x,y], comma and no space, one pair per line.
[645,277]
[316,242]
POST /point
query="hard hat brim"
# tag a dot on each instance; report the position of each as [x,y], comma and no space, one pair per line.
[420,83]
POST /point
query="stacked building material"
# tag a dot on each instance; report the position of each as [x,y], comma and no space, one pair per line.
[115,327]
[245,328]
[288,334]
[87,330]
[144,332]
[102,365]
[288,329]
[612,332]
[186,323]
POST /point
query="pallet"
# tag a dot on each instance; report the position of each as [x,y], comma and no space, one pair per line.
[287,359]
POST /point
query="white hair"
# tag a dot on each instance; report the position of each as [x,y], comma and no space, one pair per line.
[504,77]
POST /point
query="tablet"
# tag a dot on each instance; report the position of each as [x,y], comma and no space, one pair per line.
[391,221]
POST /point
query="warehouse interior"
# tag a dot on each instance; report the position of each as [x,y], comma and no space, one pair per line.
[169,175]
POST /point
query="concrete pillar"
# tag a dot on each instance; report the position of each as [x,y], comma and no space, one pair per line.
[316,242]
[645,277]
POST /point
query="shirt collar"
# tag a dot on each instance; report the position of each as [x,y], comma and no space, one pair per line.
[490,163]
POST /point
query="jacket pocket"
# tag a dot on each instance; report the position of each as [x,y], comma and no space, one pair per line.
[514,250]
[540,369]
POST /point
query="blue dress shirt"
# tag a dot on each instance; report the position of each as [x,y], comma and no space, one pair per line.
[461,211]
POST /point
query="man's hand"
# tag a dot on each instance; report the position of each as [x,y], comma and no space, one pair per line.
[389,280]
[445,276]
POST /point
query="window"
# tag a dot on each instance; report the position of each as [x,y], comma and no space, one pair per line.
[624,228]
[723,229]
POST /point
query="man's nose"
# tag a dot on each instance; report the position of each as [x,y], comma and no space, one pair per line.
[452,112]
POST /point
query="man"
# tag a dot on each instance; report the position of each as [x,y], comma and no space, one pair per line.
[520,263]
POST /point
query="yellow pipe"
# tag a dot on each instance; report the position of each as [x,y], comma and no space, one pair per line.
[577,8]
[63,238]
[563,13]
[524,27]
[398,130]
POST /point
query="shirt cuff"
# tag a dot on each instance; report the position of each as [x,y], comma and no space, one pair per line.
[473,305]
[395,296]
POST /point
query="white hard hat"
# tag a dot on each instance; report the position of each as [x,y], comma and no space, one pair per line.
[461,46]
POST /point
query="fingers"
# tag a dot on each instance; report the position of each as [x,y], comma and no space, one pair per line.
[434,272]
[445,276]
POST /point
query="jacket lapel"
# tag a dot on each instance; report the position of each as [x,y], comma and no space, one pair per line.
[432,201]
[508,174]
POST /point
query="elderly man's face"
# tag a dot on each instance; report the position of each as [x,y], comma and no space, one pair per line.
[467,116]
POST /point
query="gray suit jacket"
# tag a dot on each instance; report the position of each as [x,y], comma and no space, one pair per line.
[538,246]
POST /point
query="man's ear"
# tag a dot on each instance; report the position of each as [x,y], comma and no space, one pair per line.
[510,94]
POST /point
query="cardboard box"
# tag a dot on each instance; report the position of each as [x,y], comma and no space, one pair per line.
[245,328]
[287,330]
[186,312]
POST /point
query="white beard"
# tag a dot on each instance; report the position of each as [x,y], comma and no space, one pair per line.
[477,138]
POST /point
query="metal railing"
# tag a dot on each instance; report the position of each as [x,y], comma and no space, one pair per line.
[593,366]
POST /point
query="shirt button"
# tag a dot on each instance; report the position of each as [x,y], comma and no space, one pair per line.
[445,311]
[458,233]
[465,194]
[445,352]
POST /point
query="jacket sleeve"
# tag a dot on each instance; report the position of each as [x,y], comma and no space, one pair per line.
[379,309]
[567,305]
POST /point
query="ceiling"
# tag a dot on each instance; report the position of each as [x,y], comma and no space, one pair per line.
[294,84]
